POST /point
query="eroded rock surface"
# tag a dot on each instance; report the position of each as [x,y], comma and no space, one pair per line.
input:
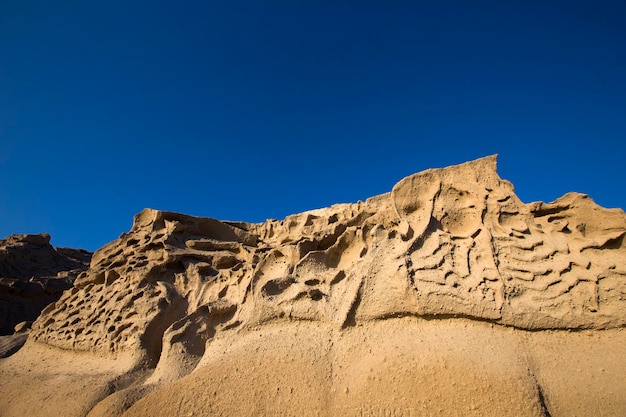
[32,275]
[444,243]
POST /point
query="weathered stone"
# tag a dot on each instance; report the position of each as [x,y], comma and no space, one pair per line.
[452,242]
[446,296]
[32,275]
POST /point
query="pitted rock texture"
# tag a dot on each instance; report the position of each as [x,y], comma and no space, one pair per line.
[32,275]
[451,242]
[427,300]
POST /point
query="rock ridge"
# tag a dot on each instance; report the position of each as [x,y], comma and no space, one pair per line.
[446,242]
[33,274]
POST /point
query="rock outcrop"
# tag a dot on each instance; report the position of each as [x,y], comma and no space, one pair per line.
[202,298]
[34,274]
[453,242]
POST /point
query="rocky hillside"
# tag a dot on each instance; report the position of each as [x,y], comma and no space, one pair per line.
[32,275]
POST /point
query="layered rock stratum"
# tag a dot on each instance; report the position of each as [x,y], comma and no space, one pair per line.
[446,296]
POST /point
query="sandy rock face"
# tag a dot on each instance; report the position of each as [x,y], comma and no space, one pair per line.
[445,242]
[32,275]
[180,294]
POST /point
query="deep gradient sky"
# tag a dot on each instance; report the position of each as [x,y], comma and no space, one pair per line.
[244,110]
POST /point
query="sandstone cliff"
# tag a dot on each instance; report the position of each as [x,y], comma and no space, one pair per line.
[227,312]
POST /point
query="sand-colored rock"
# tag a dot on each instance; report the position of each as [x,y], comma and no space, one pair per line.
[446,296]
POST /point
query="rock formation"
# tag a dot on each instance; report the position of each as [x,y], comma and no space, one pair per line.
[449,258]
[32,275]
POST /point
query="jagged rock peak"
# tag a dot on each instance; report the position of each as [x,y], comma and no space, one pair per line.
[448,242]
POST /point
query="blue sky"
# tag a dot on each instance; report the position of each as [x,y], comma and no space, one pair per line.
[247,110]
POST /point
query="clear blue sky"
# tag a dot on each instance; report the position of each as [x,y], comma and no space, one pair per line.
[247,110]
